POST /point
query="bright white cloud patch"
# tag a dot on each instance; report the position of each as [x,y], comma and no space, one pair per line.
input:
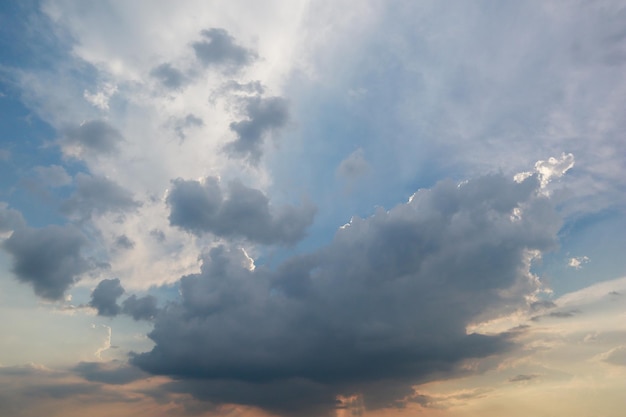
[577,262]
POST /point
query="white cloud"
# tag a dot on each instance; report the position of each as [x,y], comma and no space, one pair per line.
[577,262]
[100,98]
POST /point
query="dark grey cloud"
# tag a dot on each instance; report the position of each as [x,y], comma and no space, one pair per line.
[383,307]
[169,76]
[95,137]
[50,259]
[264,114]
[239,211]
[97,195]
[523,377]
[114,373]
[124,242]
[104,297]
[142,308]
[218,48]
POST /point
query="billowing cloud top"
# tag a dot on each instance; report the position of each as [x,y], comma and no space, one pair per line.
[386,304]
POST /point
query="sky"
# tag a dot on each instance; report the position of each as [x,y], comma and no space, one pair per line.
[312,208]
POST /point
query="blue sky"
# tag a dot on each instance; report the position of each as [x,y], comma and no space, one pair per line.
[312,208]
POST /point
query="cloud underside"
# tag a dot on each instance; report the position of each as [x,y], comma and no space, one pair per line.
[384,306]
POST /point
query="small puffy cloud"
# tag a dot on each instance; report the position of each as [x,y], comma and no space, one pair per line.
[239,211]
[577,262]
[383,307]
[5,154]
[142,308]
[53,175]
[104,297]
[50,259]
[95,137]
[263,116]
[354,166]
[218,48]
[169,76]
[97,195]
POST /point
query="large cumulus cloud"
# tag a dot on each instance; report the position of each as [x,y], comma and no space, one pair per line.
[239,211]
[384,306]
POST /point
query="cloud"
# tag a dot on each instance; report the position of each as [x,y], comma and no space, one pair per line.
[385,304]
[124,242]
[143,308]
[97,195]
[354,166]
[10,219]
[169,76]
[100,99]
[104,297]
[542,305]
[201,206]
[95,137]
[523,377]
[114,372]
[218,48]
[264,115]
[577,262]
[53,175]
[50,258]
[189,121]
[550,169]
[615,356]
[564,314]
